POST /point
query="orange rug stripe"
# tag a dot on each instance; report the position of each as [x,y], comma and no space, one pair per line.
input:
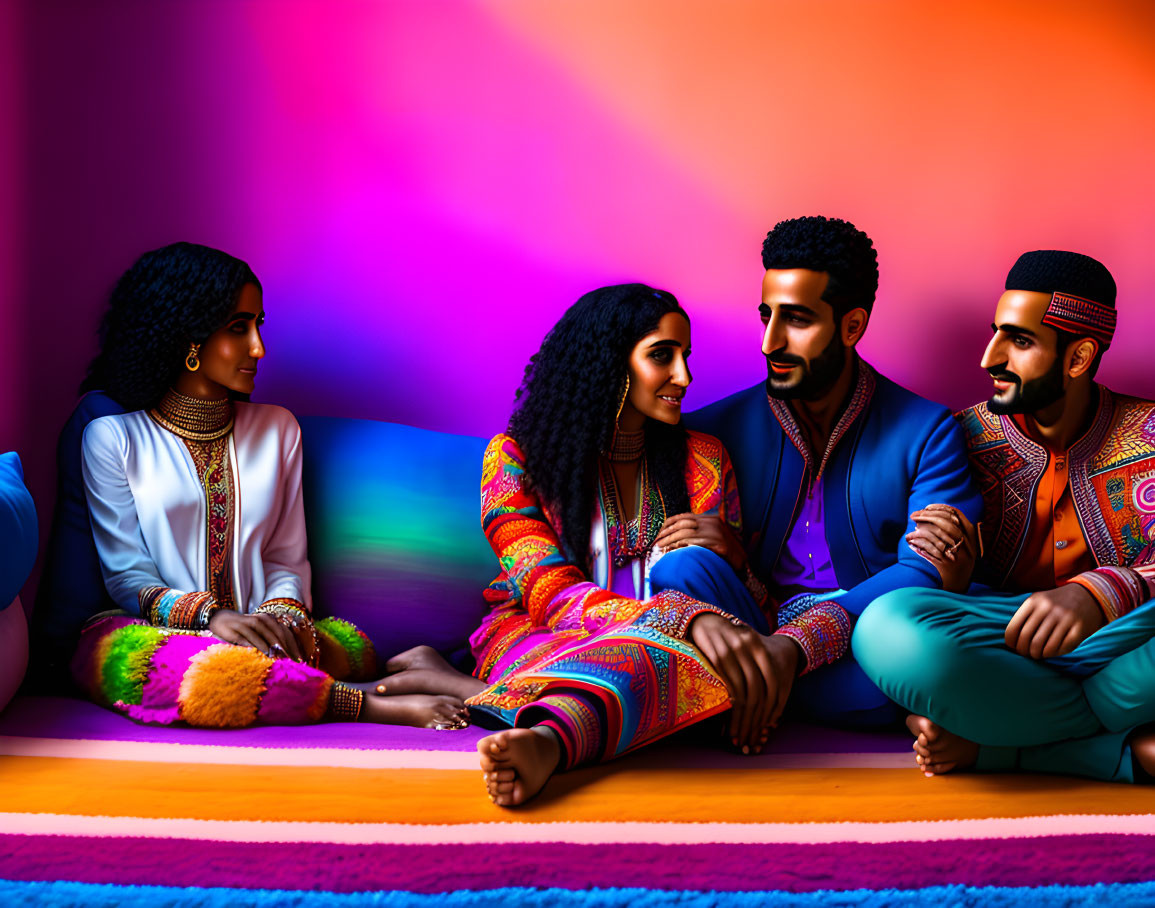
[610,793]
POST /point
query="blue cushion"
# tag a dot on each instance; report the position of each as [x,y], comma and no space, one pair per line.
[394,523]
[71,588]
[18,529]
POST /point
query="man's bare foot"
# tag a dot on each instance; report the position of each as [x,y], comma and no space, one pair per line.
[517,763]
[1143,751]
[937,750]
[418,710]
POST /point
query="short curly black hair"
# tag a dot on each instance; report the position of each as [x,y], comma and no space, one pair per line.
[569,399]
[827,244]
[171,297]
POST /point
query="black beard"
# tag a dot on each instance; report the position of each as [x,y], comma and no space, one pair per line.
[1032,396]
[818,375]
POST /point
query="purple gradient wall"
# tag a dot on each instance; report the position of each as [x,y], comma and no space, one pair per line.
[423,187]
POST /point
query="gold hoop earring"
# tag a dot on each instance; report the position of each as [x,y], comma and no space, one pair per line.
[192,362]
[622,400]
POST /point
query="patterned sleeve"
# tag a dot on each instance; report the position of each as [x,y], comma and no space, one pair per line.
[552,591]
[823,633]
[713,489]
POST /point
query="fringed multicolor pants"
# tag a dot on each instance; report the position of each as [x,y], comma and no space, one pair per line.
[159,675]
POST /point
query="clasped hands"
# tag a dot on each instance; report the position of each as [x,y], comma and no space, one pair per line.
[1049,623]
[758,672]
[260,630]
[705,530]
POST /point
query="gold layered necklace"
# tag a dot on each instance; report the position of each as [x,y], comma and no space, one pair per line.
[193,418]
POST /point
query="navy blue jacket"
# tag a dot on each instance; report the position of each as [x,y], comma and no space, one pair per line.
[900,454]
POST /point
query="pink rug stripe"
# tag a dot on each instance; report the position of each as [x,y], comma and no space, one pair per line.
[95,749]
[1063,860]
[513,831]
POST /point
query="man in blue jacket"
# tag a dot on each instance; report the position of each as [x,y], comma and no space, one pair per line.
[831,460]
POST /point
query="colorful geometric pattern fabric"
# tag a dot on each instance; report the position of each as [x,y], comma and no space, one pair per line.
[1111,473]
[538,589]
[635,682]
[822,631]
[1081,317]
[552,632]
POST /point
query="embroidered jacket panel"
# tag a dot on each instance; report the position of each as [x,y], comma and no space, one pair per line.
[1111,473]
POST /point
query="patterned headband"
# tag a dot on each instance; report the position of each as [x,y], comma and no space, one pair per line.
[1082,317]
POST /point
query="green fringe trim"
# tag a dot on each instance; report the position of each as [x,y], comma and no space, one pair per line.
[128,663]
[358,647]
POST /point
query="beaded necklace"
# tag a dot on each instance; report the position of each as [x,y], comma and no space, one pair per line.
[632,538]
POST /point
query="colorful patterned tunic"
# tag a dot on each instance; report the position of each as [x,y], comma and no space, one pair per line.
[607,672]
[1111,474]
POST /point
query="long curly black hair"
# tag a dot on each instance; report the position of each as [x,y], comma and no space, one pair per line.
[568,401]
[831,245]
[171,297]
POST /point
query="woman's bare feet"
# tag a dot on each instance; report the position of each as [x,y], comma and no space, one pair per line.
[421,670]
[1143,751]
[518,762]
[419,710]
[937,750]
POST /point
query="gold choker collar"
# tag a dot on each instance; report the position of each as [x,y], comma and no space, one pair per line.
[193,418]
[627,446]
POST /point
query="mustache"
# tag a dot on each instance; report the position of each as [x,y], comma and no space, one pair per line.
[998,373]
[785,359]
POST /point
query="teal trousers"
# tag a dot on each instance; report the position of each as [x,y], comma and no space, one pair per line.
[943,656]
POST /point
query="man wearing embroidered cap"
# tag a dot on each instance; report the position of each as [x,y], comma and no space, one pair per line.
[1051,669]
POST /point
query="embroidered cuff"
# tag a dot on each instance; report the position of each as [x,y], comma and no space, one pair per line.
[285,607]
[675,610]
[823,632]
[1117,590]
[164,607]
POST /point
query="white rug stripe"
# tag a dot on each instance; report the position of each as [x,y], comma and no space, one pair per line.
[576,833]
[339,757]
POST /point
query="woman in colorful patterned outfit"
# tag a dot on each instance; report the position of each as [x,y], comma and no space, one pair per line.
[195,503]
[594,502]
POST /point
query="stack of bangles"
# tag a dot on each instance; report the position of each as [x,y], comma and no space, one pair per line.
[345,702]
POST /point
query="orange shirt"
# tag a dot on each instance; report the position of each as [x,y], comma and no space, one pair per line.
[1054,550]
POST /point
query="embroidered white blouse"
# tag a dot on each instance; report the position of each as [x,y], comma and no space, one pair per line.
[149,514]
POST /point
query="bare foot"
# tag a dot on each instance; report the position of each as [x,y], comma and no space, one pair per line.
[430,681]
[517,763]
[419,710]
[937,750]
[1143,751]
[417,657]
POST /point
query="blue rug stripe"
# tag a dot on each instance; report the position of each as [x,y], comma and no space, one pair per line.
[53,894]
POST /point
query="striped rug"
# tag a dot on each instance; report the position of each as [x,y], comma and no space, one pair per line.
[96,810]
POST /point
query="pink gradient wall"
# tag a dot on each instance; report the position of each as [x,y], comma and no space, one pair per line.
[12,170]
[423,187]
